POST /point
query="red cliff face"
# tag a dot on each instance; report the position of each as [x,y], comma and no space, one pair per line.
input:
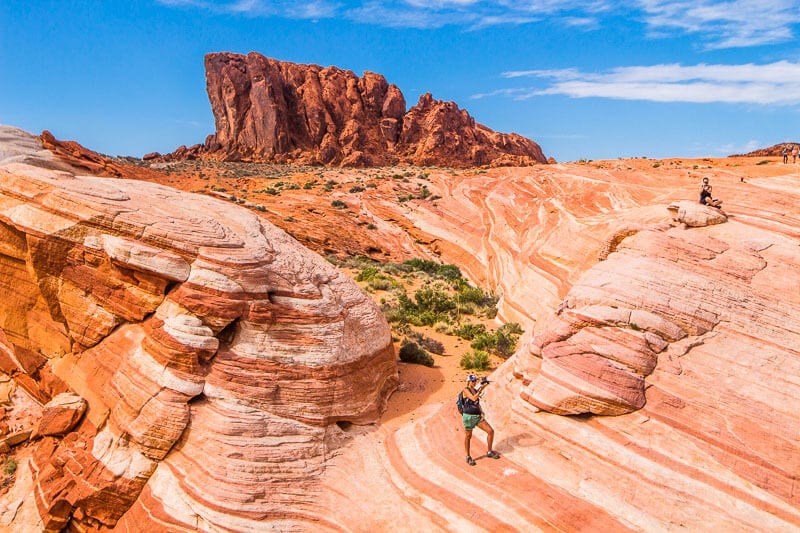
[273,111]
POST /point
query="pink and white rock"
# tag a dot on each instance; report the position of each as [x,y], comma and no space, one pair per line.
[215,353]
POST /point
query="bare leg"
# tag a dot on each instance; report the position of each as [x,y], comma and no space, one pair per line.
[484,425]
[467,438]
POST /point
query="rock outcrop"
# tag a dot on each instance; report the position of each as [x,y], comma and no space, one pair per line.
[275,111]
[689,334]
[215,354]
[776,150]
[687,326]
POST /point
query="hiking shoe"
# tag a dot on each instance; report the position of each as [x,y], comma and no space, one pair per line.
[470,461]
[493,454]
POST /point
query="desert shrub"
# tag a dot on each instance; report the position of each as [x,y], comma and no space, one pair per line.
[432,345]
[656,165]
[367,273]
[411,352]
[381,283]
[370,226]
[469,331]
[309,185]
[431,267]
[371,186]
[469,294]
[424,193]
[764,162]
[356,188]
[490,312]
[502,342]
[338,204]
[467,309]
[10,466]
[476,359]
[434,300]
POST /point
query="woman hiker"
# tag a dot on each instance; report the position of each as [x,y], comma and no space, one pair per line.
[473,416]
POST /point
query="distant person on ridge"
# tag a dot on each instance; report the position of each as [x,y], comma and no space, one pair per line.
[473,416]
[706,198]
[794,154]
[785,154]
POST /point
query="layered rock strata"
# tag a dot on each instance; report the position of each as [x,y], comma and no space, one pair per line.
[689,335]
[215,354]
[275,111]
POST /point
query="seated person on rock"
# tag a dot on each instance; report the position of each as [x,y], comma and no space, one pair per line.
[706,198]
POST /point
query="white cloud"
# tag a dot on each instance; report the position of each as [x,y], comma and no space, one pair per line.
[723,23]
[717,23]
[771,84]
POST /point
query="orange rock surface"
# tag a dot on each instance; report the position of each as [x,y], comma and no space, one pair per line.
[215,353]
[637,302]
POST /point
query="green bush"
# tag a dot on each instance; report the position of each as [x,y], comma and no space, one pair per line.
[10,466]
[502,342]
[469,331]
[431,267]
[367,273]
[381,283]
[338,204]
[435,300]
[356,188]
[410,352]
[477,359]
[469,294]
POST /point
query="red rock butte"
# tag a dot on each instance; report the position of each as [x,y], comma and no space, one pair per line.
[275,111]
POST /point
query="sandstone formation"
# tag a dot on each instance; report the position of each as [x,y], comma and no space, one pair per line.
[215,354]
[776,150]
[636,300]
[689,333]
[275,111]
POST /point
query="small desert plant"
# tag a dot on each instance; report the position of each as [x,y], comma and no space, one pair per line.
[432,345]
[356,188]
[477,359]
[469,331]
[338,204]
[410,352]
[10,466]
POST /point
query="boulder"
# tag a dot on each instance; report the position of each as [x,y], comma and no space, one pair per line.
[696,215]
[60,415]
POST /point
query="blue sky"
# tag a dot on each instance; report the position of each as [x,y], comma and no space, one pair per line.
[584,78]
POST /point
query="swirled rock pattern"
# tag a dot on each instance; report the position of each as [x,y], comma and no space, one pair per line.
[689,330]
[214,352]
[276,111]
